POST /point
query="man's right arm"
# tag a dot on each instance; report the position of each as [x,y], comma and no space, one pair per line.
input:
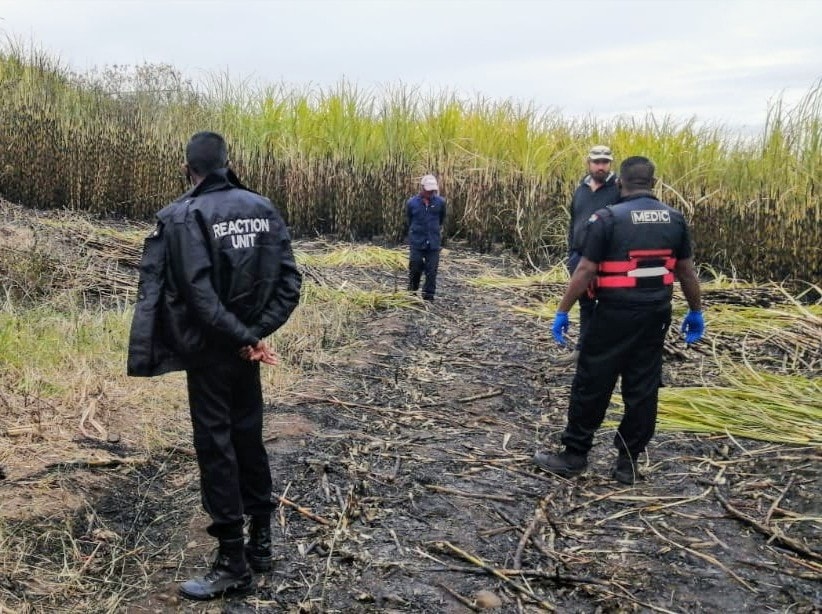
[287,295]
[686,271]
[583,275]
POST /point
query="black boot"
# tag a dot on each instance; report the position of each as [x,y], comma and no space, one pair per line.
[228,574]
[258,548]
[566,464]
[626,470]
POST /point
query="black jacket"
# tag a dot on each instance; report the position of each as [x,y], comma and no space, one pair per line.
[585,203]
[216,274]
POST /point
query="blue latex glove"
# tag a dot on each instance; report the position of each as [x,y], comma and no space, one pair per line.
[693,326]
[560,327]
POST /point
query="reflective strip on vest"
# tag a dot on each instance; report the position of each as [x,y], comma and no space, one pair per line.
[644,268]
[619,281]
[651,271]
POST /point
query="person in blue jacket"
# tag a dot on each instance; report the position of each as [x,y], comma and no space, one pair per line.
[426,214]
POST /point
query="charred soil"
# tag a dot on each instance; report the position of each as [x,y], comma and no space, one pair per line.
[404,483]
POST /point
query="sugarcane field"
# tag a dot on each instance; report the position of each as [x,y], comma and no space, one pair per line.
[401,432]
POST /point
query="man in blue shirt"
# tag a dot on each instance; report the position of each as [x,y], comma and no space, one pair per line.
[426,214]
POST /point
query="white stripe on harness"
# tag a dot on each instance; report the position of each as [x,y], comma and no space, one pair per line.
[651,271]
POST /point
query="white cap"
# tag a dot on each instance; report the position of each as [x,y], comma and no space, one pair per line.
[600,152]
[429,183]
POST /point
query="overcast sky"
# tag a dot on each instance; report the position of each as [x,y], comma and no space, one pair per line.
[719,60]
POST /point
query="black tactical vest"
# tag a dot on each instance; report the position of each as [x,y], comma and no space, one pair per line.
[645,238]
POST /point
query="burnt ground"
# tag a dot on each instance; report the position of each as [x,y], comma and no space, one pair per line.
[404,484]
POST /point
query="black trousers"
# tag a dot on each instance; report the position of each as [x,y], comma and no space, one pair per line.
[423,261]
[227,415]
[620,341]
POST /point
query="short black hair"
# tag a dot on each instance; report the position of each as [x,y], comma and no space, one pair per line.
[637,173]
[206,152]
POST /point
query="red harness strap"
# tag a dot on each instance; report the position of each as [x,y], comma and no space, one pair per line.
[644,267]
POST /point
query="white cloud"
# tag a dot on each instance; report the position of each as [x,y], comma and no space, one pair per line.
[719,60]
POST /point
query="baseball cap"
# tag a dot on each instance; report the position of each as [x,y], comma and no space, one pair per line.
[600,152]
[429,183]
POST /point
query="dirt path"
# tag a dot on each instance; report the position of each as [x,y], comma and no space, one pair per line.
[409,457]
[419,460]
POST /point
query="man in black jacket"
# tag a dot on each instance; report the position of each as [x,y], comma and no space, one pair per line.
[217,276]
[596,190]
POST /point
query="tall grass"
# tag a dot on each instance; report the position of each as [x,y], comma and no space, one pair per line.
[362,256]
[342,160]
[752,404]
[61,351]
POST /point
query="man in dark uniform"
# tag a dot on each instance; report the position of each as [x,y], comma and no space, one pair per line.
[596,190]
[632,253]
[426,214]
[217,276]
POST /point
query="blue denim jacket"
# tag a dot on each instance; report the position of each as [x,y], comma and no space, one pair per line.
[425,221]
